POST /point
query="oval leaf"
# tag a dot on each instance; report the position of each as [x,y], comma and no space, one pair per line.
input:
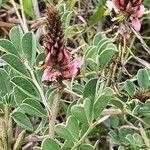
[14,62]
[79,113]
[90,89]
[130,87]
[50,144]
[22,120]
[63,132]
[143,79]
[15,36]
[100,104]
[4,82]
[73,127]
[86,147]
[8,47]
[26,86]
[29,47]
[33,107]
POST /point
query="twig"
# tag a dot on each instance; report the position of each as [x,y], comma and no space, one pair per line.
[36,8]
[23,17]
[18,15]
[6,25]
[54,110]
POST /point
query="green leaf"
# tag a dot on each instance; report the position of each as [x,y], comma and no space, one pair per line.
[97,16]
[108,91]
[66,17]
[100,104]
[8,47]
[102,45]
[98,37]
[114,137]
[19,96]
[5,86]
[33,107]
[61,8]
[50,144]
[105,57]
[121,148]
[26,86]
[15,36]
[63,132]
[117,102]
[71,4]
[73,127]
[88,109]
[143,79]
[147,103]
[91,52]
[86,147]
[22,120]
[78,88]
[138,139]
[28,7]
[130,87]
[29,47]
[131,140]
[15,63]
[90,89]
[79,113]
[147,3]
[68,144]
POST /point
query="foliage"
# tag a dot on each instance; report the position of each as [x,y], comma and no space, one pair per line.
[106,106]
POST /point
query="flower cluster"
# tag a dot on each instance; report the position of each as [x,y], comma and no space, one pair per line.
[58,63]
[133,8]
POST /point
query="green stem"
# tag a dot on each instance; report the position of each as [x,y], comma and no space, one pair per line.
[18,15]
[84,136]
[23,17]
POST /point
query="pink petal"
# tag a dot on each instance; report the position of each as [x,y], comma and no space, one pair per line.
[64,57]
[136,24]
[141,11]
[46,75]
[47,62]
[112,6]
[72,69]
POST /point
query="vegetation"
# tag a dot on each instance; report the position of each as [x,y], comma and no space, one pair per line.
[74,75]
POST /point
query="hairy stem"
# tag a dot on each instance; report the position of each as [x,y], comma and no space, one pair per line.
[54,110]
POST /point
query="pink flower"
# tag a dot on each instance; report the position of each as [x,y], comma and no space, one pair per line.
[136,24]
[112,6]
[133,8]
[58,64]
[62,67]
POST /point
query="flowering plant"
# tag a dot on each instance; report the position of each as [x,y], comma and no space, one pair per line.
[71,78]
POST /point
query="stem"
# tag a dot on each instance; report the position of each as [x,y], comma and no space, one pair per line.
[36,8]
[145,46]
[55,109]
[18,15]
[84,136]
[23,17]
